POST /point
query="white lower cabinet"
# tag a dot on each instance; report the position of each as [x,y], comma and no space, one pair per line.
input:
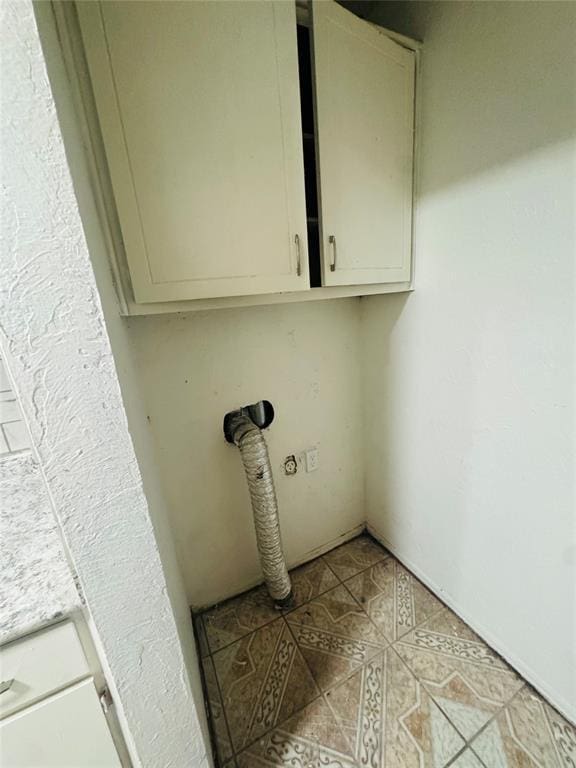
[66,730]
[40,664]
[50,713]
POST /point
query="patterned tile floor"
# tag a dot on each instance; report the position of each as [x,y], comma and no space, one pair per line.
[369,670]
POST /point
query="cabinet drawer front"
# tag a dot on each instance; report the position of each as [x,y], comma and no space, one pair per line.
[39,665]
[68,729]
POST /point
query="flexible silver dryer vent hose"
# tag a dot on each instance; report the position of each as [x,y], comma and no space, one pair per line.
[254,452]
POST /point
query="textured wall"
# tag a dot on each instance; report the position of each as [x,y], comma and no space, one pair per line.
[194,368]
[470,382]
[53,326]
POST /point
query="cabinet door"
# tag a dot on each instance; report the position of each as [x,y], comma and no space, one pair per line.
[199,109]
[40,664]
[67,730]
[365,126]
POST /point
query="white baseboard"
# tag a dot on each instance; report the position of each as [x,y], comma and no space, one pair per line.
[567,709]
[321,550]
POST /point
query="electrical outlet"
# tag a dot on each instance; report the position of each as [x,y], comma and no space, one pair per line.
[312,457]
[290,465]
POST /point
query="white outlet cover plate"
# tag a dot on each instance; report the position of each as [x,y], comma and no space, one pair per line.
[312,456]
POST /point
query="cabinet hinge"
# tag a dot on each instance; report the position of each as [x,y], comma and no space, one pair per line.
[105,700]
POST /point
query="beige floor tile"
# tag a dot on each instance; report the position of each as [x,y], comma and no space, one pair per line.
[223,745]
[355,556]
[527,733]
[467,679]
[395,601]
[334,635]
[390,719]
[264,680]
[467,760]
[310,739]
[235,618]
[384,706]
[311,580]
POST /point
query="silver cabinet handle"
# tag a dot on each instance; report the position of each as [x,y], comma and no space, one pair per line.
[5,685]
[298,256]
[332,241]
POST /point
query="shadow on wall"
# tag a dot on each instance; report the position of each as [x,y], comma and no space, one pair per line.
[469,383]
[483,58]
[363,8]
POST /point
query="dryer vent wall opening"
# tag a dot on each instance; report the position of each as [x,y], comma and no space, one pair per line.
[240,429]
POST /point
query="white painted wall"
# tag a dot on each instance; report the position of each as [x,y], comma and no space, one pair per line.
[194,368]
[470,382]
[54,328]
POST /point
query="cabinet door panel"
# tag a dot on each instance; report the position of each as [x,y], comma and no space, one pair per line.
[67,730]
[40,664]
[365,125]
[198,104]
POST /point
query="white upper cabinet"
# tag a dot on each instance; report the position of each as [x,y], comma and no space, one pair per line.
[199,108]
[229,184]
[365,124]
